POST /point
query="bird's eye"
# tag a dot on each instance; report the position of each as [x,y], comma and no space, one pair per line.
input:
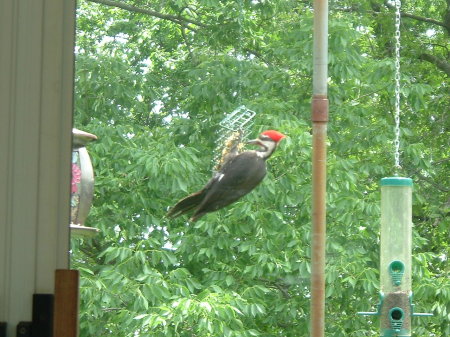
[264,137]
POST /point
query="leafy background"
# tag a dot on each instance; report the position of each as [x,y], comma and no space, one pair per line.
[154,79]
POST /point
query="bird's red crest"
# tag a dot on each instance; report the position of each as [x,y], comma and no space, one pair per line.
[275,135]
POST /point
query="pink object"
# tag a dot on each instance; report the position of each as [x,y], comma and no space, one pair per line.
[76,177]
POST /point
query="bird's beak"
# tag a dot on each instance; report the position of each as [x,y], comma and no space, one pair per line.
[257,142]
[254,141]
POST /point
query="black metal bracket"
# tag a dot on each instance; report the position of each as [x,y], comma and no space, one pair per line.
[3,329]
[42,315]
[42,319]
[24,329]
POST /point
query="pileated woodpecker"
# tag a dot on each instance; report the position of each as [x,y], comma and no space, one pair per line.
[240,174]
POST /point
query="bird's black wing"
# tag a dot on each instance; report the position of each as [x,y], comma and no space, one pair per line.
[191,201]
[239,176]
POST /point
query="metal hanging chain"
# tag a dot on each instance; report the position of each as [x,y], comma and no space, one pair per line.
[238,52]
[236,125]
[397,86]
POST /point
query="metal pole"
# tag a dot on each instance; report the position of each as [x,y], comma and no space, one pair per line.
[319,118]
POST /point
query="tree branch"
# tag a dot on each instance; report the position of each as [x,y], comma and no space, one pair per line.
[283,288]
[424,19]
[421,18]
[440,63]
[176,19]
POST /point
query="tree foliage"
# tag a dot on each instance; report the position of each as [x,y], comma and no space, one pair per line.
[154,79]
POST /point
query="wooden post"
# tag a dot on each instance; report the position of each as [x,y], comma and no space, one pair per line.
[66,303]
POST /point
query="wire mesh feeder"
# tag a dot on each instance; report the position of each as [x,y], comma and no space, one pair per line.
[234,128]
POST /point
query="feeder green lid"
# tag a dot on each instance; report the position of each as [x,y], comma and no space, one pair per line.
[396,181]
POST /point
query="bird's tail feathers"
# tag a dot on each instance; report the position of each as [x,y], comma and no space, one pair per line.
[186,204]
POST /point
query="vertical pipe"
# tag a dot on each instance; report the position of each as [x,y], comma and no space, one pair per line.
[318,231]
[320,46]
[319,118]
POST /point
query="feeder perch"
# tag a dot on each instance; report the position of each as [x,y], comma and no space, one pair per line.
[396,316]
[396,270]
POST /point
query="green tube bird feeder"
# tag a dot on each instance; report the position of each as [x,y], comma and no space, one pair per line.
[395,308]
[395,256]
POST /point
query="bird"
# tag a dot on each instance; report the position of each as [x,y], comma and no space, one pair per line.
[238,175]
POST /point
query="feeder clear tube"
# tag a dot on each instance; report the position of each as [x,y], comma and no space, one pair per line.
[395,256]
[396,234]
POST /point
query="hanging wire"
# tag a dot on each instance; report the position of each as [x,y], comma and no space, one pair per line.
[235,126]
[397,86]
[238,51]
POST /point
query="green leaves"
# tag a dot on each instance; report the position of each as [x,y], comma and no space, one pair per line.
[154,90]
